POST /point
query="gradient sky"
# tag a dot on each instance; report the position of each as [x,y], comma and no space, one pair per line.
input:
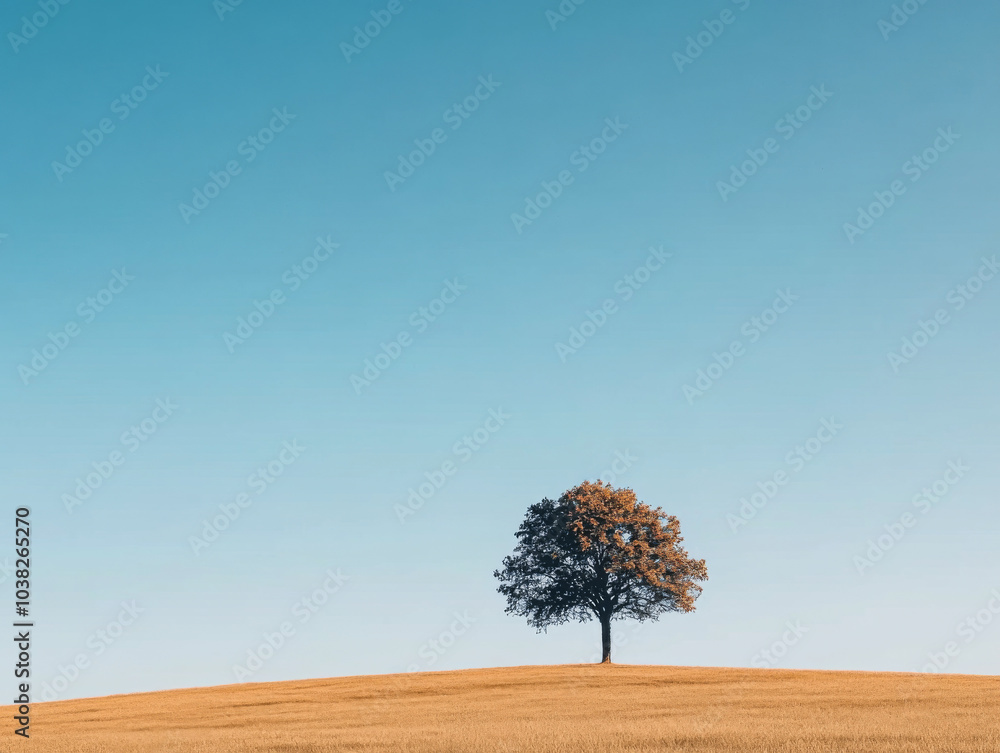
[494,346]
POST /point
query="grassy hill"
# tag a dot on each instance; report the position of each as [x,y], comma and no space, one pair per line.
[559,709]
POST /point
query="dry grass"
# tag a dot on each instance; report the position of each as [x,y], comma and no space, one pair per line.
[562,709]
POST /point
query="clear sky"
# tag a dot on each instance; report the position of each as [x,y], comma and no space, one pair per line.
[240,166]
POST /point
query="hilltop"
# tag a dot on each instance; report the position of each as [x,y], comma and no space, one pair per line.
[544,709]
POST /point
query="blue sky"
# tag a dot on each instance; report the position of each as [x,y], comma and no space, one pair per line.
[355,259]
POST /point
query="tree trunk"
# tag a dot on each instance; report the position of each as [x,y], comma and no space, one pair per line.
[606,640]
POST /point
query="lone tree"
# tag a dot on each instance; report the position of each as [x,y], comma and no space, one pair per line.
[598,552]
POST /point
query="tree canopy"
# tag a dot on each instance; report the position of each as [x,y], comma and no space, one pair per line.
[598,552]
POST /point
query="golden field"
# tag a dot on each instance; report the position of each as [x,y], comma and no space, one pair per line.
[557,709]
